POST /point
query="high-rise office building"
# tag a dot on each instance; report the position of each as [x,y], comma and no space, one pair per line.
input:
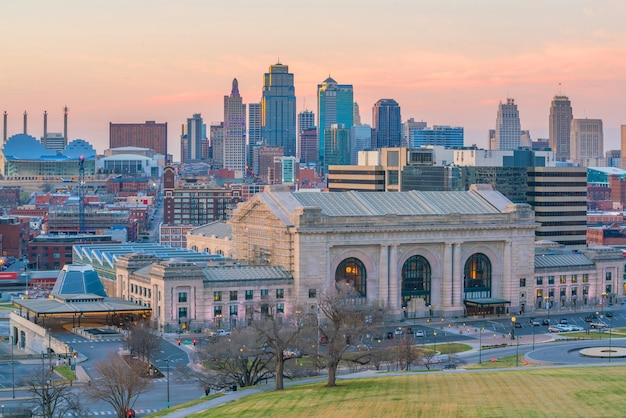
[360,139]
[387,123]
[408,129]
[446,136]
[335,106]
[560,125]
[508,130]
[278,109]
[337,146]
[235,131]
[623,147]
[306,125]
[307,147]
[356,118]
[150,135]
[216,133]
[586,140]
[193,139]
[254,131]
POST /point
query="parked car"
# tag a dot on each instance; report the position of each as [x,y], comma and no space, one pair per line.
[420,333]
[449,366]
[555,328]
[399,331]
[534,322]
[291,353]
[590,318]
[563,321]
[363,347]
[545,322]
[609,314]
[575,328]
[598,325]
[408,330]
[377,338]
[517,325]
[389,335]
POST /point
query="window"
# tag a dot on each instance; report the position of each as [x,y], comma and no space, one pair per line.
[182,312]
[264,293]
[265,309]
[550,279]
[233,295]
[217,296]
[522,282]
[416,278]
[280,308]
[182,297]
[477,277]
[249,294]
[563,279]
[539,280]
[585,278]
[233,310]
[574,278]
[217,311]
[351,273]
[280,293]
[609,276]
[312,293]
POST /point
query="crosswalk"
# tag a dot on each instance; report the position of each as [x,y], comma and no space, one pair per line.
[108,340]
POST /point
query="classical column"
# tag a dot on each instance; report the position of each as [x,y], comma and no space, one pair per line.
[394,278]
[446,282]
[457,273]
[507,275]
[383,277]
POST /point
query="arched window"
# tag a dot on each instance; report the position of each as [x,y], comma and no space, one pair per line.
[416,279]
[477,277]
[351,272]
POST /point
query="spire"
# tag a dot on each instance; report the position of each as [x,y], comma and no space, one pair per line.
[235,90]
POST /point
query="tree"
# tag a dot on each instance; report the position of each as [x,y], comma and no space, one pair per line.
[142,342]
[406,352]
[236,359]
[120,383]
[349,317]
[54,398]
[276,335]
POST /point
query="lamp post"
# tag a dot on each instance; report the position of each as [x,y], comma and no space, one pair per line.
[533,327]
[435,337]
[167,368]
[602,302]
[513,319]
[12,369]
[517,354]
[480,345]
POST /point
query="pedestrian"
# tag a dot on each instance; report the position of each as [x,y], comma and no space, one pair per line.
[207,390]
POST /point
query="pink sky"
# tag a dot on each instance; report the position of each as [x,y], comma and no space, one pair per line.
[445,62]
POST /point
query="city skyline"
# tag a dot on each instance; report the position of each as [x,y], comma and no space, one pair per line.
[444,62]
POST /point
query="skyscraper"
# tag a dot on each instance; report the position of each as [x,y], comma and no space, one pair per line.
[560,124]
[356,118]
[306,126]
[143,135]
[623,146]
[234,131]
[586,140]
[254,130]
[193,139]
[335,105]
[387,123]
[508,130]
[306,120]
[278,109]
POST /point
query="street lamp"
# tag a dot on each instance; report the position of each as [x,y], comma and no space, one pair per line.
[12,369]
[533,327]
[167,368]
[480,345]
[513,319]
[435,348]
[602,302]
[517,354]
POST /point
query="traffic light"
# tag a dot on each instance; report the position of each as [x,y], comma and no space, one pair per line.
[194,341]
[178,342]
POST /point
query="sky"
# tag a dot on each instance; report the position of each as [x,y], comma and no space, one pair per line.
[445,62]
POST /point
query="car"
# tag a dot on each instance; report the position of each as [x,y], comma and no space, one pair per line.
[575,328]
[590,318]
[534,322]
[399,331]
[449,366]
[609,314]
[555,328]
[291,353]
[517,325]
[363,347]
[563,321]
[408,330]
[219,333]
[389,336]
[419,333]
[376,338]
[598,325]
[545,322]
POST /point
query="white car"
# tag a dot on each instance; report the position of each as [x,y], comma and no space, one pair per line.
[420,333]
[219,333]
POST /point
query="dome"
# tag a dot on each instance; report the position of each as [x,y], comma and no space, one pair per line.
[76,279]
[79,147]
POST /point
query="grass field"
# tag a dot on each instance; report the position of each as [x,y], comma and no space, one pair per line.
[536,392]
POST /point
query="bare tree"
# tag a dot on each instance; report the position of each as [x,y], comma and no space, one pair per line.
[236,359]
[120,383]
[407,353]
[349,317]
[54,398]
[142,342]
[276,335]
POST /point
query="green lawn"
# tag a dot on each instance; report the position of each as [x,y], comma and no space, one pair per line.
[532,392]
